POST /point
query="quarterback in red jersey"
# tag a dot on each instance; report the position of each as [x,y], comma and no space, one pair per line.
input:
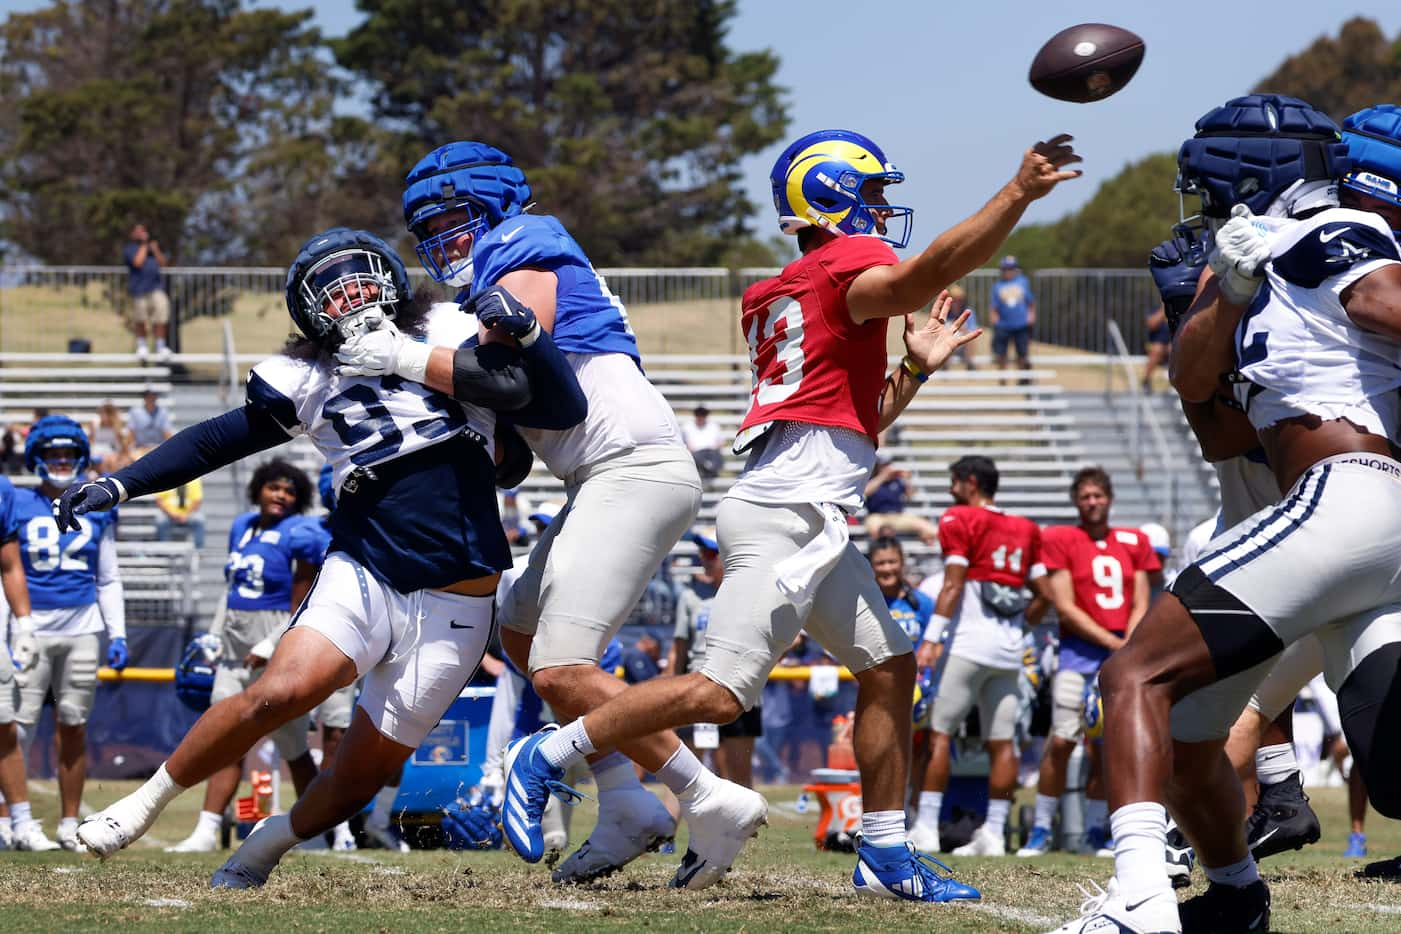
[1098,579]
[820,396]
[976,635]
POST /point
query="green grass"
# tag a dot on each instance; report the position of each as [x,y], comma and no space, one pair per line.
[781,883]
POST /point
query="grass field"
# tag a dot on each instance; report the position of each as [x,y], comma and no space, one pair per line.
[780,884]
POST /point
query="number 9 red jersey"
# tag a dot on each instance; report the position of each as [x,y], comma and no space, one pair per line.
[1101,572]
[810,362]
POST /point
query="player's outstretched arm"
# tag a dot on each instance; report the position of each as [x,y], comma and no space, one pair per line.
[886,291]
[193,452]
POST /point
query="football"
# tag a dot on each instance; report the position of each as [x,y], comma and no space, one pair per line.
[1086,63]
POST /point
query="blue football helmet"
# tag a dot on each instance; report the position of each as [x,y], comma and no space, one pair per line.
[194,676]
[478,180]
[1093,713]
[1253,150]
[57,450]
[817,183]
[344,282]
[1373,138]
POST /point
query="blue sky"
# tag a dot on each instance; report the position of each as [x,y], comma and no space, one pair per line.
[942,86]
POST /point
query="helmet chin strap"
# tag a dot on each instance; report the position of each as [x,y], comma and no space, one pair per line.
[1304,196]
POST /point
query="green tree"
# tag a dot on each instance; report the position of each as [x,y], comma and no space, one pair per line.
[1342,75]
[146,110]
[629,119]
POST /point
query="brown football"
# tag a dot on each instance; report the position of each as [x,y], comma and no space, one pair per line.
[1086,63]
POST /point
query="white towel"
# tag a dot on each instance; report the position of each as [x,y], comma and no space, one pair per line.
[801,574]
[823,681]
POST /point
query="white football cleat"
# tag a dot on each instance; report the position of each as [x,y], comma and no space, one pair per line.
[721,816]
[984,843]
[342,840]
[197,842]
[1104,911]
[925,839]
[552,829]
[117,826]
[29,837]
[68,838]
[631,821]
[7,835]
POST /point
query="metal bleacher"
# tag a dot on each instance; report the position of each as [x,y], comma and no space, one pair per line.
[158,578]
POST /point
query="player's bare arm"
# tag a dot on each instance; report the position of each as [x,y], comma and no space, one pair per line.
[1221,429]
[1075,621]
[1374,302]
[887,291]
[1141,597]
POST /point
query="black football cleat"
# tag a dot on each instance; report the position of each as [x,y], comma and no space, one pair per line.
[1282,820]
[1381,869]
[1180,858]
[1227,908]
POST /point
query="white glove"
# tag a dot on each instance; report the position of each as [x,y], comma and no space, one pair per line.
[1239,256]
[384,351]
[24,646]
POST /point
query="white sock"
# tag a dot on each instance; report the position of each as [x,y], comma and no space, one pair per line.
[614,772]
[6,826]
[69,824]
[160,343]
[384,806]
[569,745]
[883,828]
[930,804]
[342,831]
[269,842]
[160,789]
[1046,806]
[683,769]
[1096,813]
[1274,764]
[1140,836]
[210,823]
[19,812]
[141,345]
[1238,874]
[996,821]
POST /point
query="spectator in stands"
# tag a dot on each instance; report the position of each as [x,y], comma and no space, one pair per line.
[886,494]
[734,754]
[12,448]
[150,306]
[963,353]
[181,508]
[1013,314]
[643,661]
[702,437]
[514,510]
[1159,342]
[111,440]
[149,423]
[274,554]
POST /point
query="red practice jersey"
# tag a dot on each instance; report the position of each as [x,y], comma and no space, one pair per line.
[994,545]
[1101,571]
[810,362]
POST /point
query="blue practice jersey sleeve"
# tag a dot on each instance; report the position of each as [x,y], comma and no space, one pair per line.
[201,448]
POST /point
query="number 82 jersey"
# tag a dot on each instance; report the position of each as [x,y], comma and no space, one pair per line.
[810,362]
[59,568]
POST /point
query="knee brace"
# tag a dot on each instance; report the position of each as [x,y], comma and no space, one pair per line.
[1369,704]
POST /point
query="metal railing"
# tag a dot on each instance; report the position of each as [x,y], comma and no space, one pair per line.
[685,310]
[1146,434]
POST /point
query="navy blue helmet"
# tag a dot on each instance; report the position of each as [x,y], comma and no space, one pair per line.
[341,281]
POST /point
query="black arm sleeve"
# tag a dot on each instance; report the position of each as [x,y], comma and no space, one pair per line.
[557,400]
[492,376]
[201,448]
[515,457]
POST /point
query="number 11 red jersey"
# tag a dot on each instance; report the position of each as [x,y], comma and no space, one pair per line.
[994,545]
[810,362]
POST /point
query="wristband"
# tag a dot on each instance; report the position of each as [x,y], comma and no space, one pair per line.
[937,626]
[411,362]
[912,368]
[530,336]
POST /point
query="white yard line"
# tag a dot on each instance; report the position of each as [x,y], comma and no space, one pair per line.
[1009,913]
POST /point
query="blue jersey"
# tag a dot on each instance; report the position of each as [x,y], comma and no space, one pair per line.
[1012,299]
[259,568]
[60,568]
[8,529]
[912,611]
[588,317]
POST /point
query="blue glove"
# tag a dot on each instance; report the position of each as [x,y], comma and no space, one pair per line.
[84,497]
[117,654]
[497,308]
[1176,265]
[473,826]
[194,676]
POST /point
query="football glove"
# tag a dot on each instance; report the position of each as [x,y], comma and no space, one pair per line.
[1239,256]
[474,824]
[384,351]
[497,308]
[87,496]
[117,654]
[24,647]
[1176,265]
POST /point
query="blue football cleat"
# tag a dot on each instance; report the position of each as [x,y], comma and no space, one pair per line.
[1098,842]
[903,872]
[530,780]
[1356,846]
[1038,844]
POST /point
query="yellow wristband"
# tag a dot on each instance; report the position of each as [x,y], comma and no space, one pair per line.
[912,368]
